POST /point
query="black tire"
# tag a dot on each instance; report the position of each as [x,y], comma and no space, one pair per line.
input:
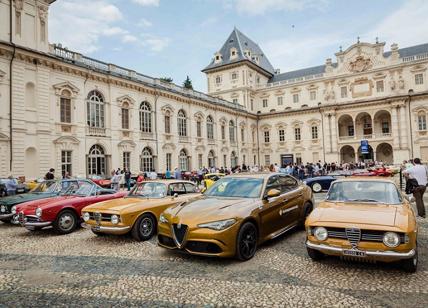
[411,265]
[66,222]
[307,209]
[246,242]
[315,255]
[144,228]
[316,187]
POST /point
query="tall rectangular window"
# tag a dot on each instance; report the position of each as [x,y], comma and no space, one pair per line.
[225,160]
[314,132]
[419,79]
[295,98]
[65,110]
[264,102]
[168,161]
[252,104]
[280,100]
[267,160]
[200,161]
[167,123]
[199,129]
[313,95]
[223,132]
[253,136]
[281,134]
[422,122]
[298,159]
[66,165]
[297,136]
[343,92]
[126,160]
[242,135]
[385,127]
[351,130]
[267,137]
[125,118]
[379,86]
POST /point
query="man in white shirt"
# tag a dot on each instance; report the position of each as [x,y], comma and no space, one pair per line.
[420,174]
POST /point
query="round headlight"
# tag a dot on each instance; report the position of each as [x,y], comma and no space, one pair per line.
[13,209]
[391,239]
[86,216]
[114,219]
[320,233]
[2,208]
[38,212]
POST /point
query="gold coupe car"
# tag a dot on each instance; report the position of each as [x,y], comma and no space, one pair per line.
[138,212]
[365,219]
[235,215]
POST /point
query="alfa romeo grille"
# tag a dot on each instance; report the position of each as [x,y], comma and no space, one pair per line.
[97,217]
[179,232]
[353,235]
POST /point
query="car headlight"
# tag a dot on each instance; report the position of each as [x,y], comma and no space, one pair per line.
[38,212]
[13,209]
[86,216]
[114,219]
[162,219]
[2,208]
[391,239]
[320,233]
[218,225]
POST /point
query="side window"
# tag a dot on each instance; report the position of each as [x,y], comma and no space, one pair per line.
[190,188]
[177,188]
[287,183]
[272,183]
[73,186]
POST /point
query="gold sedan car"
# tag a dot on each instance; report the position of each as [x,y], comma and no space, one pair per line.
[365,219]
[138,212]
[235,215]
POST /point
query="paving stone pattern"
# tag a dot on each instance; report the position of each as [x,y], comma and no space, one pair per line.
[41,269]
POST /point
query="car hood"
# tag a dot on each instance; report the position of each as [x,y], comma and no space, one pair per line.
[18,199]
[208,209]
[45,202]
[117,205]
[355,213]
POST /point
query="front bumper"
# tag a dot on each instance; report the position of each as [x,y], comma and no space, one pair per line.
[107,229]
[6,216]
[380,255]
[31,222]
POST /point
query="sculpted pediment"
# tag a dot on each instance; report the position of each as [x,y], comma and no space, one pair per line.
[361,57]
[66,85]
[125,98]
[126,144]
[66,139]
[169,147]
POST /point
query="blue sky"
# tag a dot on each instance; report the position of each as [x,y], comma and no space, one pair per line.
[175,38]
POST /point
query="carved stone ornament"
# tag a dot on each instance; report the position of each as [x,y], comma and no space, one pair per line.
[2,74]
[19,5]
[400,82]
[360,64]
[43,12]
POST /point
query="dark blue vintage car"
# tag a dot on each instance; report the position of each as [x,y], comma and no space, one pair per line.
[320,183]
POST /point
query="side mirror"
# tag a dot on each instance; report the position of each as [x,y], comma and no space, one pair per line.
[175,195]
[273,193]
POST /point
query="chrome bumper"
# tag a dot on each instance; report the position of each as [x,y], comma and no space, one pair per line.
[5,216]
[387,254]
[105,229]
[36,224]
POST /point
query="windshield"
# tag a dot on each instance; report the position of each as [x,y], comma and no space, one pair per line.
[236,187]
[149,190]
[48,187]
[364,191]
[83,189]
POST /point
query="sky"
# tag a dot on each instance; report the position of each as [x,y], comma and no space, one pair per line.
[176,38]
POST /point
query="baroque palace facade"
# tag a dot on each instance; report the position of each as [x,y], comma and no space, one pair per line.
[64,110]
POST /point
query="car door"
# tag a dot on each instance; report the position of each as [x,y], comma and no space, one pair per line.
[271,220]
[292,201]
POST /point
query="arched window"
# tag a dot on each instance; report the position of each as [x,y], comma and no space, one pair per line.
[96,161]
[211,159]
[125,115]
[167,119]
[231,131]
[95,109]
[65,106]
[183,160]
[30,95]
[223,131]
[146,160]
[198,128]
[422,121]
[145,117]
[182,123]
[233,159]
[210,128]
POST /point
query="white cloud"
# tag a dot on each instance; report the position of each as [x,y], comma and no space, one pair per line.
[114,31]
[147,2]
[129,38]
[156,43]
[406,26]
[144,23]
[259,7]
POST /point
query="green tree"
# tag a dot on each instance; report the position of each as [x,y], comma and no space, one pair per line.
[188,83]
[166,79]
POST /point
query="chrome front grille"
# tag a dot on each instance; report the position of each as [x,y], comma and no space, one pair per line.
[366,235]
[353,235]
[97,217]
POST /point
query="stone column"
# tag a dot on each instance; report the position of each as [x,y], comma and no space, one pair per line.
[333,133]
[395,131]
[403,127]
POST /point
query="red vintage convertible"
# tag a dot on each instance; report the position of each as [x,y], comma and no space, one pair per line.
[63,212]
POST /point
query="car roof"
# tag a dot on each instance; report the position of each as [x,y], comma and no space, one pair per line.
[169,181]
[366,179]
[256,175]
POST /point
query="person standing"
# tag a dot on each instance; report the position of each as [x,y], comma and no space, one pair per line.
[167,174]
[420,173]
[11,186]
[128,179]
[50,175]
[177,174]
[114,181]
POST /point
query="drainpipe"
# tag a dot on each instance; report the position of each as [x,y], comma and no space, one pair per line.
[258,146]
[322,131]
[10,87]
[410,120]
[156,129]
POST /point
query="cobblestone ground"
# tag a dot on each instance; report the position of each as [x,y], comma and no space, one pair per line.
[81,269]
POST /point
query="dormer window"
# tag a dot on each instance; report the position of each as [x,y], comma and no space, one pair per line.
[233,53]
[247,53]
[218,58]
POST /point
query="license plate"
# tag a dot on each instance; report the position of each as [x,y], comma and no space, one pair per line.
[20,190]
[354,253]
[96,228]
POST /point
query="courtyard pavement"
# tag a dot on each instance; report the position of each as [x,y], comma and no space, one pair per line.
[40,269]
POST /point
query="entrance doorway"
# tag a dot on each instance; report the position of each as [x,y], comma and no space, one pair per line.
[286,159]
[369,157]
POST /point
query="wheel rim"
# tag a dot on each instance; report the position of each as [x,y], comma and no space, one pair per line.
[66,222]
[146,226]
[248,243]
[317,187]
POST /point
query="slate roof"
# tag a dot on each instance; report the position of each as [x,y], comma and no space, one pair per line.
[404,52]
[241,42]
